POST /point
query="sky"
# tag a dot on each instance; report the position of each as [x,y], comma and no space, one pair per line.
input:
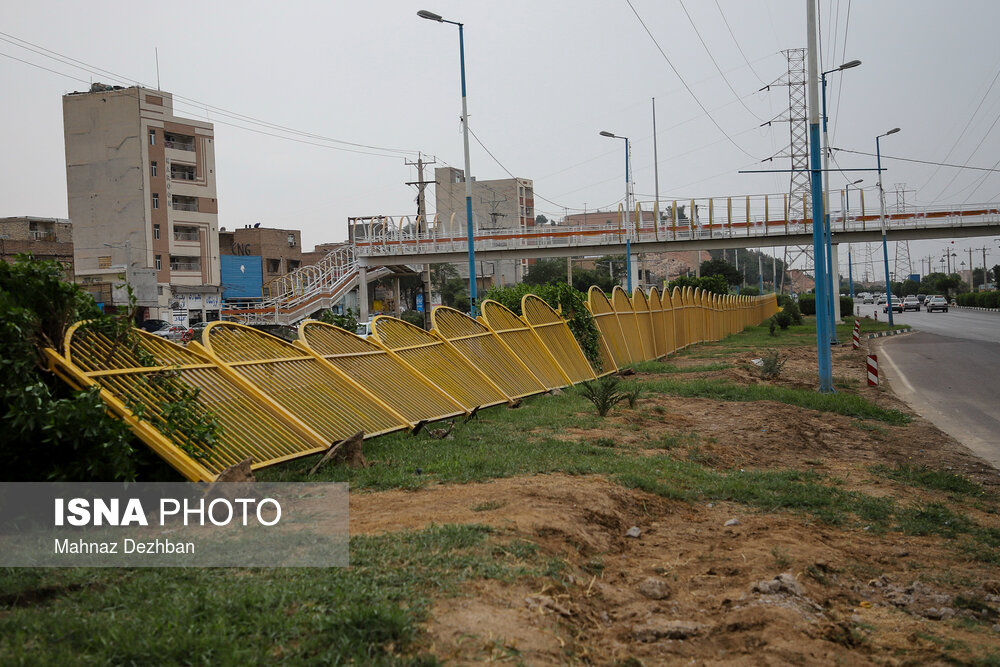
[318,106]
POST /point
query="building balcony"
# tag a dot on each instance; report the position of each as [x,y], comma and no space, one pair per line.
[185,265]
[180,203]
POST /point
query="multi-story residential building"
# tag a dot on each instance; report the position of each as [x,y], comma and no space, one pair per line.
[141,185]
[43,238]
[507,203]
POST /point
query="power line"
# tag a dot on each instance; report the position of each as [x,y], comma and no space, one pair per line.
[712,58]
[843,58]
[686,86]
[93,69]
[737,43]
[905,159]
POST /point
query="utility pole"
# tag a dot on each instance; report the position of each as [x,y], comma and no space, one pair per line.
[422,228]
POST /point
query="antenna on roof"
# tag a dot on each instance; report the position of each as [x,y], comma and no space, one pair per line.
[157,52]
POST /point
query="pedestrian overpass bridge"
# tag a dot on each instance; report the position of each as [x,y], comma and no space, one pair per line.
[388,245]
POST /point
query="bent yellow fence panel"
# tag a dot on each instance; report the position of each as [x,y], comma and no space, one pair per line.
[555,334]
[384,374]
[484,349]
[524,342]
[659,328]
[249,424]
[608,324]
[680,319]
[316,392]
[630,325]
[640,305]
[438,362]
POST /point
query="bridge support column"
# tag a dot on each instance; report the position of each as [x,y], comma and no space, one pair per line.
[426,274]
[362,293]
[835,286]
[636,271]
[396,296]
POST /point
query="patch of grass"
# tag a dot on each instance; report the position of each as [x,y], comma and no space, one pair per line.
[366,614]
[604,392]
[675,440]
[874,429]
[660,368]
[604,442]
[845,404]
[931,519]
[780,555]
[927,478]
[488,505]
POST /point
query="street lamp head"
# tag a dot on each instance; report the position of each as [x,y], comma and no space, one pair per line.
[850,64]
[430,16]
[860,180]
[605,133]
[892,131]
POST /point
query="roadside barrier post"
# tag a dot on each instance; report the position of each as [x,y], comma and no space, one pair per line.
[872,370]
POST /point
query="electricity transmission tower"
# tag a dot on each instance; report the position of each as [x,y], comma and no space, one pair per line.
[797,117]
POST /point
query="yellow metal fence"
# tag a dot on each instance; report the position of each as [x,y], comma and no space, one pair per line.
[273,400]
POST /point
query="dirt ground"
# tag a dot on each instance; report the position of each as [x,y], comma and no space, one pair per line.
[720,583]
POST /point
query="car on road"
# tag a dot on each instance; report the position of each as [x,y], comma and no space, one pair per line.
[936,303]
[867,298]
[153,325]
[881,300]
[921,298]
[173,332]
[911,303]
[897,306]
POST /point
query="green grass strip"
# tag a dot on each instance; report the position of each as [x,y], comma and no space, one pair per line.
[658,368]
[840,403]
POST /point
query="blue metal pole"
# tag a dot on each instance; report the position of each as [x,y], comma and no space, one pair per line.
[850,269]
[823,357]
[470,234]
[827,232]
[885,249]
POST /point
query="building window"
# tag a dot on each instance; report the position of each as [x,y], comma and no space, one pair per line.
[152,168]
[159,263]
[152,137]
[159,289]
[156,231]
[104,262]
[156,200]
[273,265]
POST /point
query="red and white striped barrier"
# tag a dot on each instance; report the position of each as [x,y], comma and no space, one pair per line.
[857,334]
[872,370]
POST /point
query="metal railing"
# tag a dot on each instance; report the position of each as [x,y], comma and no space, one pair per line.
[179,145]
[187,236]
[182,175]
[185,266]
[184,206]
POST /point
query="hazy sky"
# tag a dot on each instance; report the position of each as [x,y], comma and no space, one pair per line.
[543,79]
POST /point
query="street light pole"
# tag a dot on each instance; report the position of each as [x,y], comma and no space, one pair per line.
[823,357]
[847,215]
[628,198]
[832,271]
[881,201]
[470,232]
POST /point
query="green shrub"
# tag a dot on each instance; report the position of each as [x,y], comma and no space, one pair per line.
[51,432]
[557,295]
[348,320]
[772,363]
[783,318]
[603,393]
[414,317]
[807,304]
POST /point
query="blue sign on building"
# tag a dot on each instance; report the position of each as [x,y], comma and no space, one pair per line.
[242,276]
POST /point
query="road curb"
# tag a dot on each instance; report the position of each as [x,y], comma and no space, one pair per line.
[987,310]
[894,332]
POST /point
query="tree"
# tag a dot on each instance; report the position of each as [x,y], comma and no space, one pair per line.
[994,276]
[541,220]
[713,267]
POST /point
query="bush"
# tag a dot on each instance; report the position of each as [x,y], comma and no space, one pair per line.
[807,304]
[771,364]
[603,393]
[348,320]
[846,306]
[783,318]
[50,432]
[574,311]
[414,317]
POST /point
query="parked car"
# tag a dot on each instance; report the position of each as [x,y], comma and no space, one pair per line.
[194,332]
[364,329]
[173,332]
[897,305]
[936,303]
[911,303]
[153,325]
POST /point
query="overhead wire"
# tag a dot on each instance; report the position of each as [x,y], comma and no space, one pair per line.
[686,86]
[714,62]
[905,159]
[93,69]
[737,43]
[840,80]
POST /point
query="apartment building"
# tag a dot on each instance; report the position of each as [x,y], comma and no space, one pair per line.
[141,185]
[501,204]
[43,238]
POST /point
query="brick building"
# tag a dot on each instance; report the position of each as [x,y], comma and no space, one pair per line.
[44,238]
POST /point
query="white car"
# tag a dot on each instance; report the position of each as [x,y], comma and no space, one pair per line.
[936,303]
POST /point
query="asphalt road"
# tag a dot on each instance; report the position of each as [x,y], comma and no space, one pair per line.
[957,322]
[947,371]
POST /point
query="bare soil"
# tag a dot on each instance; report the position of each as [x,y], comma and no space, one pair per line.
[698,587]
